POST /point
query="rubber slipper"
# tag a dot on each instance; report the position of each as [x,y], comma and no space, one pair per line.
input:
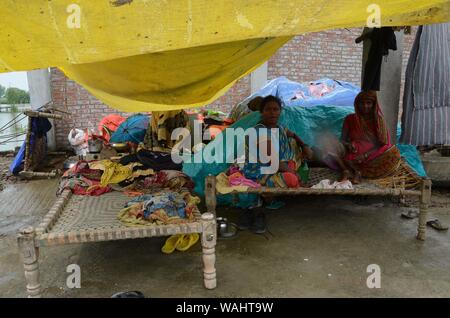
[187,241]
[171,243]
[275,205]
[436,224]
[410,214]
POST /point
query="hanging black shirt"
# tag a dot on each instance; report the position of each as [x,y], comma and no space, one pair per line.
[382,40]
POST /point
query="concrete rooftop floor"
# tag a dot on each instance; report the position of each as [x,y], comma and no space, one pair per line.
[319,247]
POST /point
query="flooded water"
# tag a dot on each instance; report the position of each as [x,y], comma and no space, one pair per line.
[8,137]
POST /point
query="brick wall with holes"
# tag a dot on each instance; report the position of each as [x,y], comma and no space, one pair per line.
[331,54]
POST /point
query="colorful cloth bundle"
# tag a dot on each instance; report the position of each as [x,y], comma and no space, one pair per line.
[167,207]
[82,180]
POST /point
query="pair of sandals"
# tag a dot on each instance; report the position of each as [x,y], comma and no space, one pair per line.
[180,242]
[435,223]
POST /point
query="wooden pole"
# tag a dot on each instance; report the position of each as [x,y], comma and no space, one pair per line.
[425,200]
[32,113]
[30,174]
[210,194]
[27,146]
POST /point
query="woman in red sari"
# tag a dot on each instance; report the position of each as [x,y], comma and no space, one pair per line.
[365,147]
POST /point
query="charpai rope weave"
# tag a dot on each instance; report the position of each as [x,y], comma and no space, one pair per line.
[77,219]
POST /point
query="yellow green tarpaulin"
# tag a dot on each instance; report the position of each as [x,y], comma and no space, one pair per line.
[142,55]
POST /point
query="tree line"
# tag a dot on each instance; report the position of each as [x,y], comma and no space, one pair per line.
[13,96]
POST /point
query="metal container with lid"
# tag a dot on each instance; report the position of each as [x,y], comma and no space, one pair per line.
[95,145]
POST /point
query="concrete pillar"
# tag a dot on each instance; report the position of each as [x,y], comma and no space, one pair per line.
[258,78]
[40,95]
[391,76]
[391,73]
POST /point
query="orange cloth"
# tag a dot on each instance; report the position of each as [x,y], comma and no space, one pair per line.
[109,124]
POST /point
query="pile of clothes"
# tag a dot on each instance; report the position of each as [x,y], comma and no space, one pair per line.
[160,197]
[234,180]
[163,198]
[156,160]
[97,177]
[83,180]
[162,180]
[164,207]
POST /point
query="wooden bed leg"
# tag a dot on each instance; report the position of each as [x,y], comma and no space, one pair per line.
[30,254]
[402,200]
[210,194]
[209,239]
[425,199]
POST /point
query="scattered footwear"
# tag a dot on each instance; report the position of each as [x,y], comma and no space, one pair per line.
[246,219]
[410,214]
[187,242]
[171,243]
[259,226]
[437,225]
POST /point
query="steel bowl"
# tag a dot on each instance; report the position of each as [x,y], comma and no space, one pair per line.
[225,228]
[120,147]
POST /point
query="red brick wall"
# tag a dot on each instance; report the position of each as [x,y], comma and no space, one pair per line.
[331,54]
[307,57]
[238,92]
[85,111]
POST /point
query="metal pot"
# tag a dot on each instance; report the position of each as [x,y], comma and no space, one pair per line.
[95,145]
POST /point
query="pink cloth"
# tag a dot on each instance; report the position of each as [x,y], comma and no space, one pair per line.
[238,179]
[319,90]
[233,169]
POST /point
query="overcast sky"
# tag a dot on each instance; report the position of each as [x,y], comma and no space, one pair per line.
[15,79]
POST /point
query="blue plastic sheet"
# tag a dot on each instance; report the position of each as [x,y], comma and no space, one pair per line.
[296,94]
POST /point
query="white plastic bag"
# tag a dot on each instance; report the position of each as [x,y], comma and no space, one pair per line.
[77,139]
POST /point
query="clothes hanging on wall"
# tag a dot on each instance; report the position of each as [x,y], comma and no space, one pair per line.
[426,99]
[382,40]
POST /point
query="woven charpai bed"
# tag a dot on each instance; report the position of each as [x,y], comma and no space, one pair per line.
[404,182]
[82,219]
